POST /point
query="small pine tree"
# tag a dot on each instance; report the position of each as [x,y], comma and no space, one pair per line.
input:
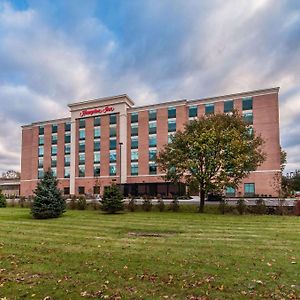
[2,199]
[112,200]
[48,201]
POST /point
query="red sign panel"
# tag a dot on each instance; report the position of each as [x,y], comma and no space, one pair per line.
[90,112]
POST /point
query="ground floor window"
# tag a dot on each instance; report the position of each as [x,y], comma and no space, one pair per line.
[249,189]
[96,189]
[66,191]
[230,191]
[81,190]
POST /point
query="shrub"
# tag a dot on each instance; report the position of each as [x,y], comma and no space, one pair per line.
[48,201]
[297,208]
[174,205]
[3,202]
[161,205]
[112,200]
[223,206]
[94,204]
[81,204]
[147,203]
[281,209]
[260,207]
[131,206]
[73,202]
[22,201]
[241,206]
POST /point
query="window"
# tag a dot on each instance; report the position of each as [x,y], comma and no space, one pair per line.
[41,140]
[54,128]
[41,162]
[247,103]
[54,138]
[134,117]
[81,159]
[96,170]
[152,168]
[113,119]
[228,106]
[66,191]
[67,149]
[152,140]
[250,131]
[81,134]
[230,191]
[112,170]
[81,190]
[41,150]
[134,129]
[96,157]
[67,172]
[171,112]
[96,189]
[134,142]
[81,170]
[54,172]
[97,145]
[54,150]
[248,118]
[68,126]
[134,169]
[53,161]
[171,125]
[209,108]
[193,111]
[152,127]
[112,130]
[112,143]
[40,173]
[112,156]
[170,137]
[97,121]
[67,137]
[97,132]
[82,146]
[67,160]
[134,155]
[152,114]
[81,123]
[41,130]
[152,154]
[249,189]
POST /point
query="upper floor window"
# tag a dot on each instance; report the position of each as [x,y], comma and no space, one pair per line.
[96,157]
[41,140]
[54,150]
[81,134]
[97,132]
[152,127]
[171,112]
[81,159]
[67,160]
[54,128]
[112,169]
[54,138]
[67,172]
[134,117]
[134,169]
[112,156]
[97,145]
[97,121]
[152,155]
[248,118]
[113,130]
[134,129]
[193,111]
[134,155]
[134,142]
[96,171]
[152,168]
[67,126]
[209,108]
[67,149]
[112,143]
[228,106]
[152,114]
[81,171]
[171,125]
[41,130]
[41,162]
[53,161]
[40,173]
[247,103]
[152,140]
[81,123]
[113,119]
[67,137]
[82,146]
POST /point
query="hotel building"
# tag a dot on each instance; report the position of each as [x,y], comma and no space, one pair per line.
[110,140]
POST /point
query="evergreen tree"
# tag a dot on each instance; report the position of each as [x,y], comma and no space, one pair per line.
[2,199]
[48,201]
[112,200]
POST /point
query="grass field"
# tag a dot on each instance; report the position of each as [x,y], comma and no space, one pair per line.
[86,254]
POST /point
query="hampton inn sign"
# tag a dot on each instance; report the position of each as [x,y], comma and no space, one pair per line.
[96,111]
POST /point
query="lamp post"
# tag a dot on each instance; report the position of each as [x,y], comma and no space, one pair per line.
[120,144]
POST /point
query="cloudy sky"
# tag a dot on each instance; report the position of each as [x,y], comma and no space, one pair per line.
[56,52]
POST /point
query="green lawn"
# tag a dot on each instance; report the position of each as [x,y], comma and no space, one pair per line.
[86,254]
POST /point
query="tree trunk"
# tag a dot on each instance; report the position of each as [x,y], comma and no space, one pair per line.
[202,198]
